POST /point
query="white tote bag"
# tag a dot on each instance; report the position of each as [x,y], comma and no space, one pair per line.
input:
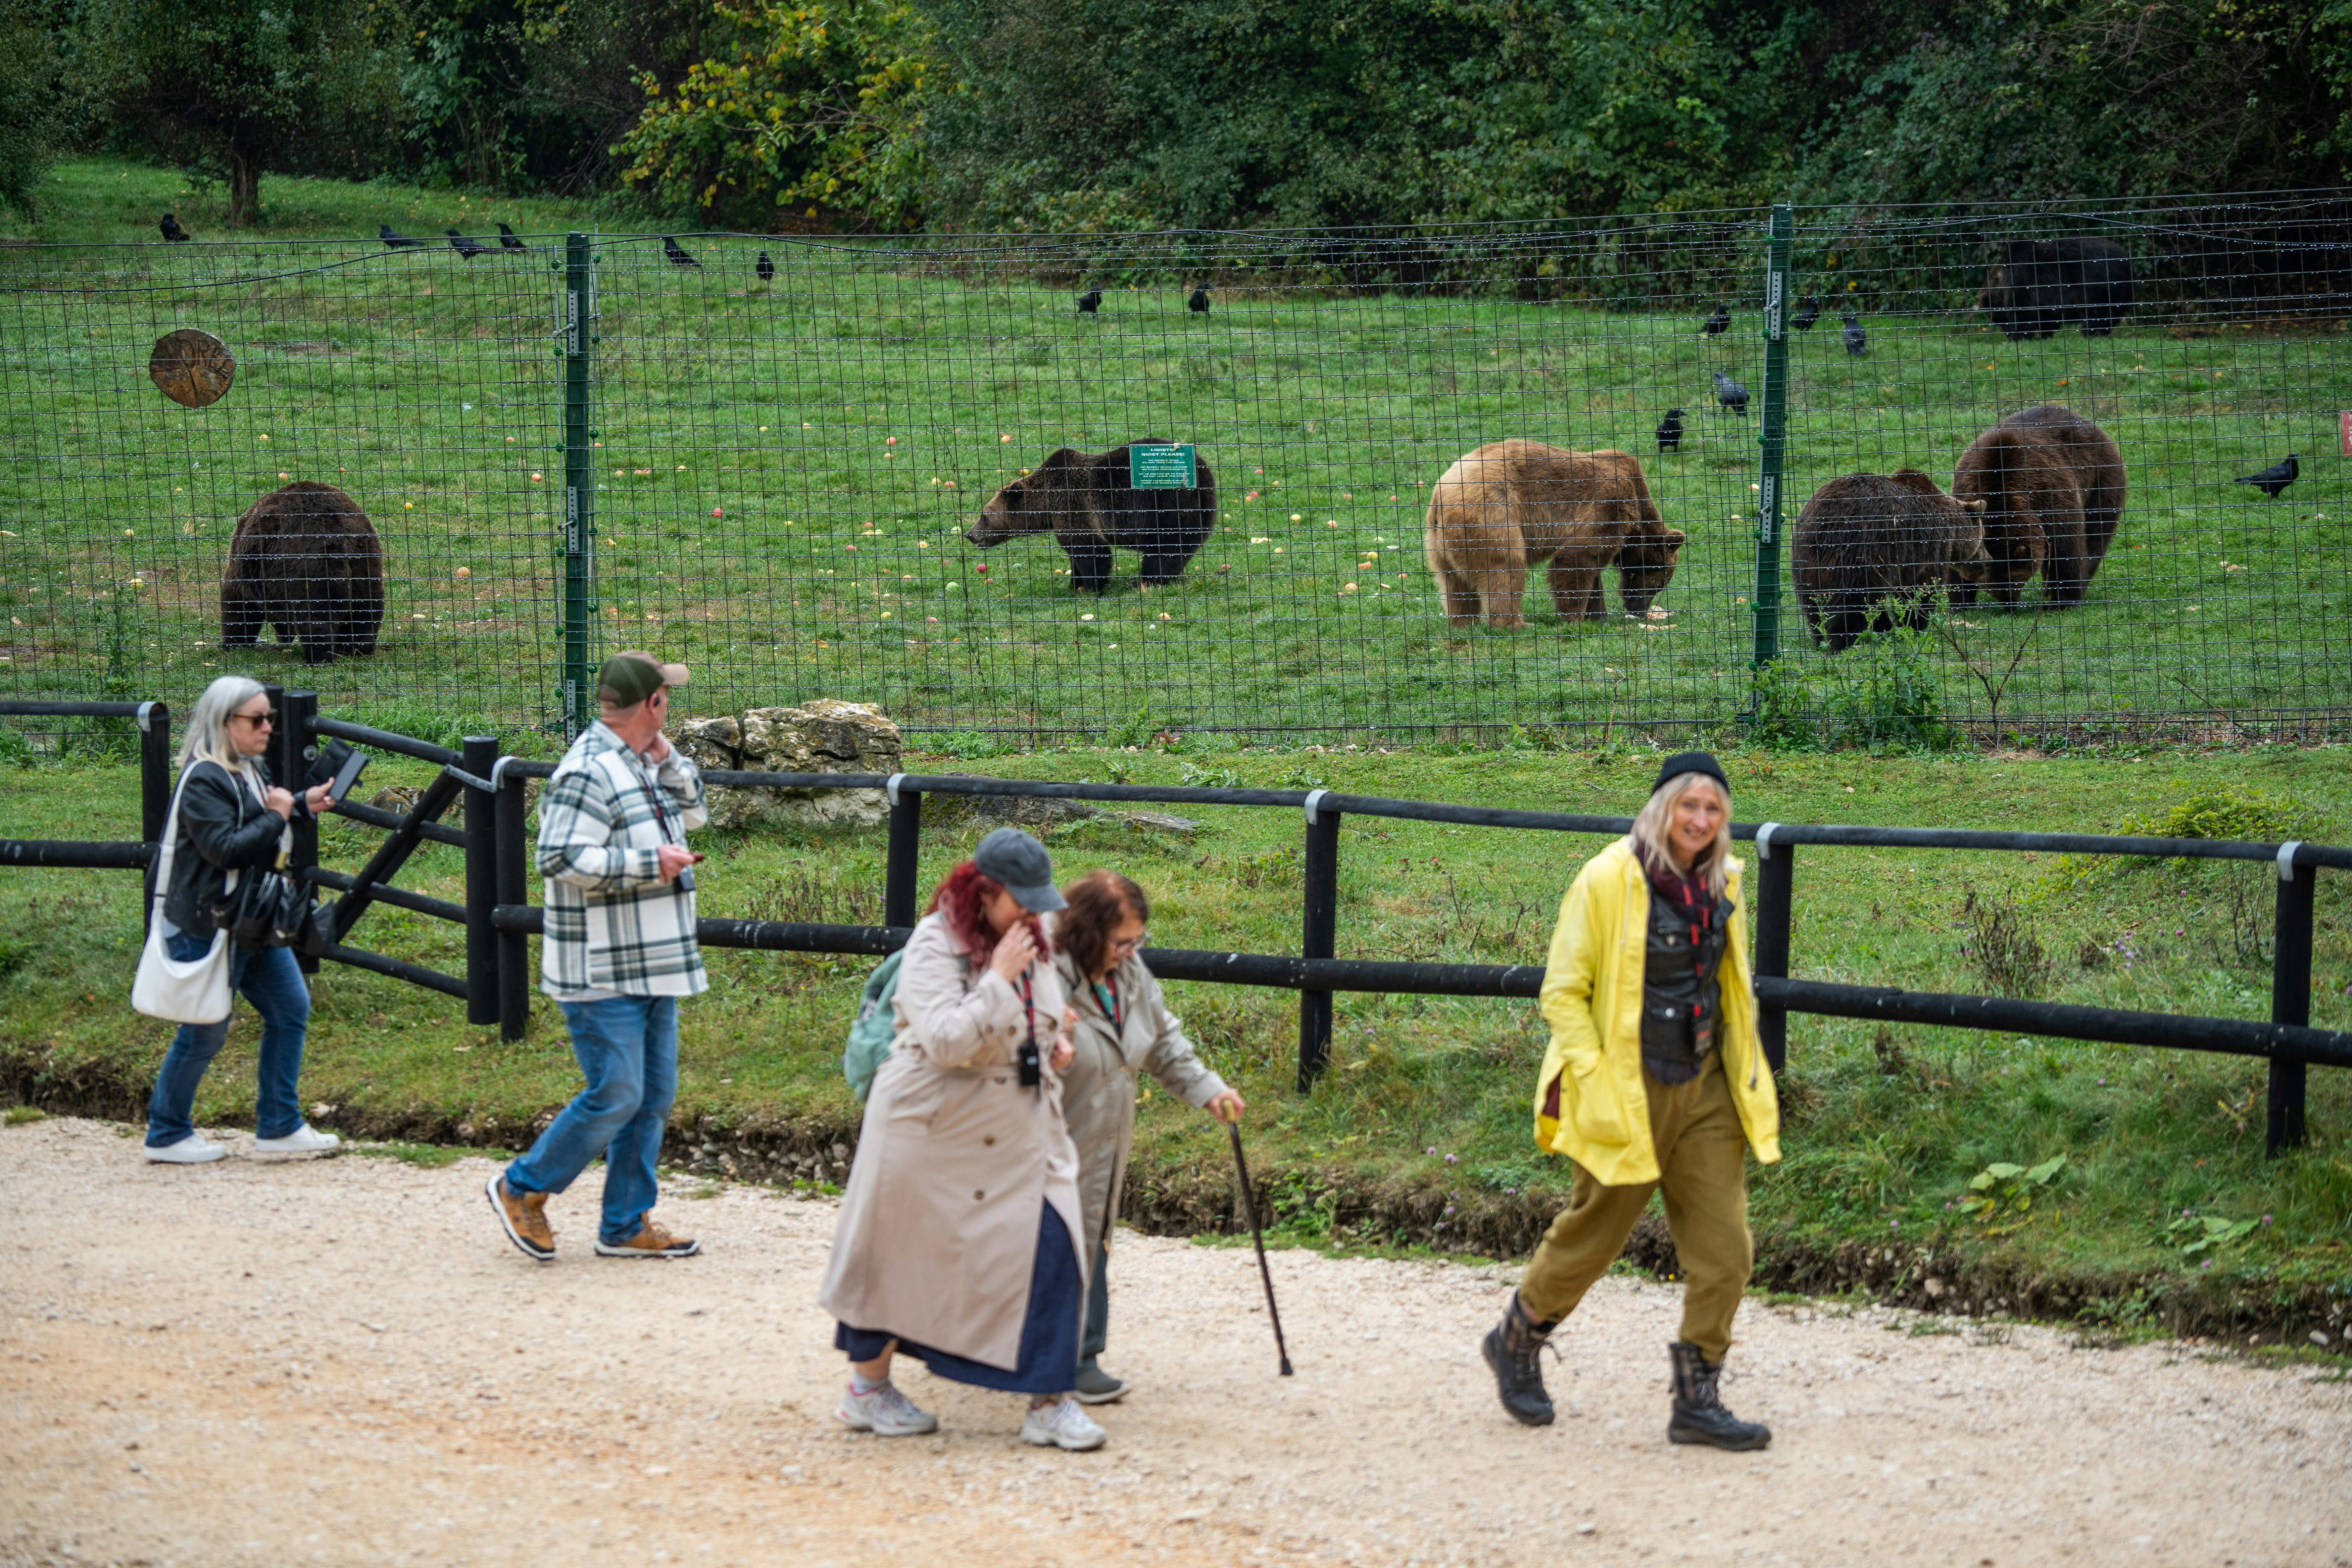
[195,992]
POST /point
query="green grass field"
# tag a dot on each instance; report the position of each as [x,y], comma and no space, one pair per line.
[784,470]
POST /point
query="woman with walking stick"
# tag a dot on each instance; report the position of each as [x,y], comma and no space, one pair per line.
[1655,1081]
[959,1240]
[1123,1027]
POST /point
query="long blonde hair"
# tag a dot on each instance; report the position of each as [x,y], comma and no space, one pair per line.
[1712,865]
[207,738]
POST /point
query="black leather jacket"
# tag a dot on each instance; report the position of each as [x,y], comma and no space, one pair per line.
[222,828]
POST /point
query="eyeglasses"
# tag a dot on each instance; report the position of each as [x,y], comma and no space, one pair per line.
[259,721]
[1130,943]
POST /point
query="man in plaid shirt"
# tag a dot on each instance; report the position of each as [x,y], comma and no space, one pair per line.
[618,953]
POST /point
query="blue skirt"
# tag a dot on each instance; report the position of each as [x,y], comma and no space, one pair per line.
[1049,1334]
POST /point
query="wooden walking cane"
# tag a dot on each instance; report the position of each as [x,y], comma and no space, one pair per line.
[1249,1208]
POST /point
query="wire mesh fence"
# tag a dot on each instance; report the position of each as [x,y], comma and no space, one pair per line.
[789,454]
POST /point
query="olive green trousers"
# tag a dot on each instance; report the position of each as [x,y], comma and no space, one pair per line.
[1703,1175]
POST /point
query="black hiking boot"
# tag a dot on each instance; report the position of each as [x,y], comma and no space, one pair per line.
[1514,1349]
[1699,1416]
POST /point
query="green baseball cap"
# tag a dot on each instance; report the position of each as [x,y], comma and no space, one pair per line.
[630,677]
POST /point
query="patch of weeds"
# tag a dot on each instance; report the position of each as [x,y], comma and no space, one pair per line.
[970,746]
[1781,716]
[2195,1233]
[807,894]
[2003,948]
[424,1156]
[1211,778]
[2001,1195]
[14,955]
[1887,690]
[1928,1328]
[21,1115]
[708,1190]
[1282,867]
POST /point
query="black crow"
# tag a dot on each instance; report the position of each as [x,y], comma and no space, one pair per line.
[466,245]
[1857,341]
[2275,478]
[1809,311]
[1670,431]
[509,241]
[173,231]
[678,254]
[1730,392]
[1090,301]
[765,268]
[397,241]
[1199,303]
[1716,322]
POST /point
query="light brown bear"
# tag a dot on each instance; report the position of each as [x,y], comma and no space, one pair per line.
[1510,504]
[2052,485]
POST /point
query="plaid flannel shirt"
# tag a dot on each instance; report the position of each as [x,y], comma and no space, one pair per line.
[612,924]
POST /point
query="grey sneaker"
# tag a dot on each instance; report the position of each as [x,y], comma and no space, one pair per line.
[1096,1386]
[1062,1425]
[883,1410]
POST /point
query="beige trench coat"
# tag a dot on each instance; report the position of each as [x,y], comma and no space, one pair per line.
[937,1233]
[1098,1091]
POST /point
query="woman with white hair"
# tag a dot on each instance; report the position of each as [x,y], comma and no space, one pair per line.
[1655,1081]
[231,818]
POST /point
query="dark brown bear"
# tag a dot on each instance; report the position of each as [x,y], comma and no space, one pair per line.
[305,560]
[1869,545]
[2052,488]
[1085,501]
[2039,286]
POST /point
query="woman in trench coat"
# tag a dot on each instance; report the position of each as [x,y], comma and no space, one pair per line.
[1123,1027]
[958,1235]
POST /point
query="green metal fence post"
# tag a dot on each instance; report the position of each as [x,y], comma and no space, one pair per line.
[1773,437]
[578,481]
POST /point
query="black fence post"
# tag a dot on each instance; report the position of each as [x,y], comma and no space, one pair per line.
[1319,937]
[899,888]
[2290,995]
[481,753]
[513,849]
[154,769]
[1776,870]
[293,746]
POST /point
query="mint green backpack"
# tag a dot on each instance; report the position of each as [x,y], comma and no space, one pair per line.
[874,1027]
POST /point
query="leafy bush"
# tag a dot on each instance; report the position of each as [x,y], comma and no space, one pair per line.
[2001,1195]
[2231,811]
[1887,690]
[1782,718]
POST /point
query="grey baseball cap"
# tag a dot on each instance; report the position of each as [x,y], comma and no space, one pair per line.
[1020,862]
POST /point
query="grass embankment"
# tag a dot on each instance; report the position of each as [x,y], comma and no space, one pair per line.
[1419,1136]
[784,470]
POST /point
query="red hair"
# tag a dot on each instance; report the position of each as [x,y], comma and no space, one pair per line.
[963,898]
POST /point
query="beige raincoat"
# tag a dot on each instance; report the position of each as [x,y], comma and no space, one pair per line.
[938,1232]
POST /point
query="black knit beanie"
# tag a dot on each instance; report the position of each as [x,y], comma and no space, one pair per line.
[1682,762]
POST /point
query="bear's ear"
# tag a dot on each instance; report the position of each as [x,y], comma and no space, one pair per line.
[1913,480]
[1059,458]
[1975,506]
[1672,538]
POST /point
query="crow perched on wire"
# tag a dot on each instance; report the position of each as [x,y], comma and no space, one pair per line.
[1670,431]
[1857,341]
[1714,325]
[678,254]
[1090,301]
[1730,392]
[2275,478]
[765,268]
[509,241]
[466,245]
[1809,311]
[1199,303]
[173,232]
[397,241]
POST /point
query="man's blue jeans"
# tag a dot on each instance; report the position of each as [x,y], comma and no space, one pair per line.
[628,1048]
[272,981]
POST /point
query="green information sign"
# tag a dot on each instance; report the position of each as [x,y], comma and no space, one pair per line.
[1162,468]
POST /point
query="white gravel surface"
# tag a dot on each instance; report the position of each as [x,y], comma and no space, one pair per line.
[344,1362]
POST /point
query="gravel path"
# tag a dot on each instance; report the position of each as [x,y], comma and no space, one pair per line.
[342,1361]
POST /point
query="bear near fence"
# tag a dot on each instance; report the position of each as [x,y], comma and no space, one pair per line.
[1512,504]
[305,560]
[2052,487]
[2040,287]
[1088,503]
[1868,547]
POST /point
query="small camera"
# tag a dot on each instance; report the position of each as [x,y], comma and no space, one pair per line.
[686,878]
[1031,1073]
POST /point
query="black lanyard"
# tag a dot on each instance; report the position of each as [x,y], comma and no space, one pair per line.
[653,798]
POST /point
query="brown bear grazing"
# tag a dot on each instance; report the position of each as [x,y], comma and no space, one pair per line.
[1084,500]
[1510,504]
[2039,286]
[1866,539]
[2052,485]
[304,560]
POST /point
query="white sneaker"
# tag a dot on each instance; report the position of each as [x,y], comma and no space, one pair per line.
[195,1149]
[304,1140]
[1062,1425]
[884,1410]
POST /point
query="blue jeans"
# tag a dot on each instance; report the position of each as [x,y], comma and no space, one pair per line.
[272,981]
[1097,1308]
[628,1048]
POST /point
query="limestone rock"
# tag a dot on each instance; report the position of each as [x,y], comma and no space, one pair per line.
[824,736]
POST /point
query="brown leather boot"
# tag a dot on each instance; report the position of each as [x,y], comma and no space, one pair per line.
[524,1217]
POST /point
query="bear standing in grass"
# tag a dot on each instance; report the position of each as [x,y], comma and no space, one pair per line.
[1870,547]
[2052,485]
[1087,500]
[305,560]
[1514,504]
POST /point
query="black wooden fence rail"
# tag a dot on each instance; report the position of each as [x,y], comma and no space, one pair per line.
[499,920]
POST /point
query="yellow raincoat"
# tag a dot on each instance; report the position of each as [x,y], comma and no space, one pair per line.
[1592,999]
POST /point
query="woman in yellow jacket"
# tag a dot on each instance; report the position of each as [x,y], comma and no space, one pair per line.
[1655,1081]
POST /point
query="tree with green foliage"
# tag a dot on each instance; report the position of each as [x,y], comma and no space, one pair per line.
[31,117]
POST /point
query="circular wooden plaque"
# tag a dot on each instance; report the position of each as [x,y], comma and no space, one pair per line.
[192,367]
